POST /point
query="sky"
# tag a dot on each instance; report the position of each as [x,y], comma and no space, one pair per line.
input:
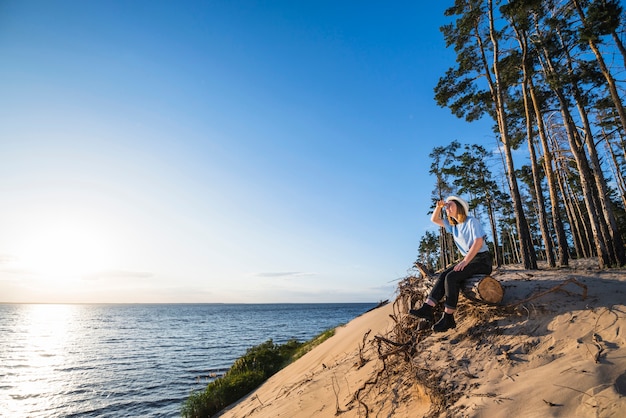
[218,151]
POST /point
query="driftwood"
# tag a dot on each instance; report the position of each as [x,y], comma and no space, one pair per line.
[478,288]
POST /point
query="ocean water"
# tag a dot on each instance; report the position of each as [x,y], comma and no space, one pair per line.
[136,360]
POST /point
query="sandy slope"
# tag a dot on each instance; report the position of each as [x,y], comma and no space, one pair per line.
[555,355]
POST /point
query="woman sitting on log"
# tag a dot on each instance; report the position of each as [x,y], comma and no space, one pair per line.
[469,238]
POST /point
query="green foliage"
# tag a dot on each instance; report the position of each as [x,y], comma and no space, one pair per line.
[221,393]
[246,374]
[429,251]
[603,17]
[305,348]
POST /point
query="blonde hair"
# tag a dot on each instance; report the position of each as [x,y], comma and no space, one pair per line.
[461,216]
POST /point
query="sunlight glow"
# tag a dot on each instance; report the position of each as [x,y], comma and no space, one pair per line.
[64,250]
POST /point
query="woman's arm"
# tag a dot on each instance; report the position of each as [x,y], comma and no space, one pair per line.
[476,246]
[436,216]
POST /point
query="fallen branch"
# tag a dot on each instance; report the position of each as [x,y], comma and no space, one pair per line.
[357,396]
[424,271]
[338,410]
[362,360]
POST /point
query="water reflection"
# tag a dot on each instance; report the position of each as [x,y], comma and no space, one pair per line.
[33,352]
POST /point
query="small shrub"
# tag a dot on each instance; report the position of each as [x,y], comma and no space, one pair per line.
[246,374]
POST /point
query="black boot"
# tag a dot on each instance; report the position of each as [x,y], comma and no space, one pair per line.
[426,312]
[445,323]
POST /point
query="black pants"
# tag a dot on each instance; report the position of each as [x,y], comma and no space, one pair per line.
[449,282]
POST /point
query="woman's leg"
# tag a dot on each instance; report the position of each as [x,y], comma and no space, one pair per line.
[454,280]
[452,285]
[435,295]
[439,289]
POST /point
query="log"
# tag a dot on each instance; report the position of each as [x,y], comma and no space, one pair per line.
[483,288]
[478,288]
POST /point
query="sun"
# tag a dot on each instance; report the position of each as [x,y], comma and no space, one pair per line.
[65,249]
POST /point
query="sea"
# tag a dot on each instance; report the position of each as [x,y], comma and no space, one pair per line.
[118,360]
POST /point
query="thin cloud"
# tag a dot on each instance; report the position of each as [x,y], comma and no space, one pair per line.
[118,274]
[293,274]
[6,258]
[15,275]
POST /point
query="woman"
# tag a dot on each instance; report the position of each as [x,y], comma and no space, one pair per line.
[469,238]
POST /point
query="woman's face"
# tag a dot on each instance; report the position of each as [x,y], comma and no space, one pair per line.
[451,208]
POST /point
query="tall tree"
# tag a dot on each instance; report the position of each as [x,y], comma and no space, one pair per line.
[585,74]
[550,53]
[519,14]
[604,18]
[591,32]
[476,41]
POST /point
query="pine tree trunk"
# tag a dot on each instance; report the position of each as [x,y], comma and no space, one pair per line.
[615,169]
[586,177]
[607,223]
[541,206]
[529,258]
[559,229]
[576,218]
[494,233]
[620,46]
[557,223]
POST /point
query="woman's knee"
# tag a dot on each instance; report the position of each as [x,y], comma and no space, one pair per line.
[455,277]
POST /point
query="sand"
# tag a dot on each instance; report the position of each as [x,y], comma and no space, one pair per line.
[555,355]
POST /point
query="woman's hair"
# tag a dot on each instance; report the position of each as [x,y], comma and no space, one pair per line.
[461,216]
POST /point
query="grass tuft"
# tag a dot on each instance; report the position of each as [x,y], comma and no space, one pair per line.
[248,372]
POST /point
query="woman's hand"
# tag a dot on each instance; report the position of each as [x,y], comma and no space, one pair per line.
[436,216]
[462,264]
[476,246]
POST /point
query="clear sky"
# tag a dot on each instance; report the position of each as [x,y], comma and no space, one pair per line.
[218,150]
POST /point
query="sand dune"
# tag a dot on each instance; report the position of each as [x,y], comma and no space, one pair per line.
[556,354]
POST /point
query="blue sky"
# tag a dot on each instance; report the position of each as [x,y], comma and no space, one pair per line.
[217,151]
